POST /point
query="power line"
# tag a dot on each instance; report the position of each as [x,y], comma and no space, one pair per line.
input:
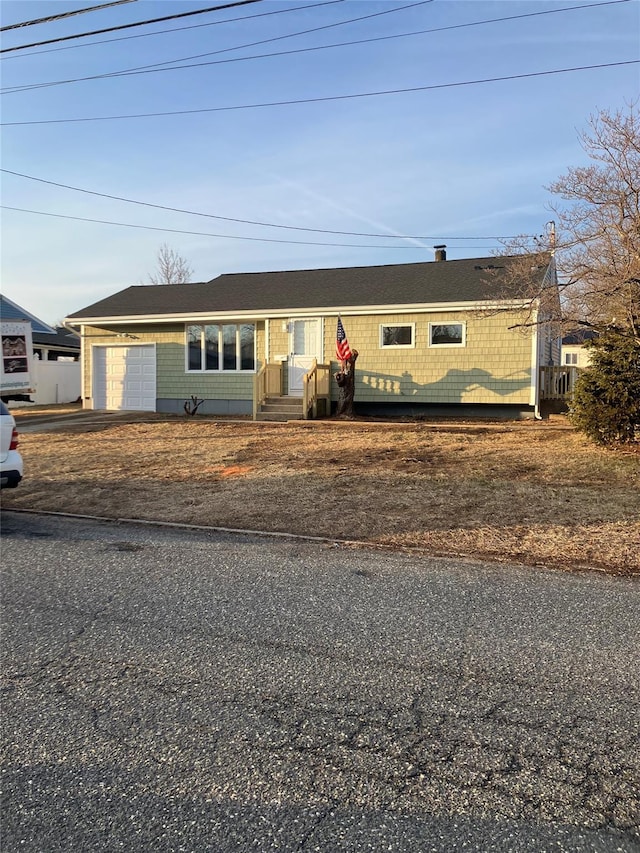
[59,17]
[148,69]
[224,236]
[178,29]
[154,66]
[128,26]
[326,98]
[267,239]
[249,221]
[391,11]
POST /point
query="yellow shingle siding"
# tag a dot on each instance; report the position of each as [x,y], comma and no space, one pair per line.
[494,365]
[278,339]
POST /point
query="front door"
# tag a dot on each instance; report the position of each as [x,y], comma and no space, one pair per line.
[305,345]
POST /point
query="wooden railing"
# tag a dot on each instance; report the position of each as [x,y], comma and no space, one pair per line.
[266,383]
[316,385]
[558,381]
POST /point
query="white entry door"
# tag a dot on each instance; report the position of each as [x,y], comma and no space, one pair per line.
[124,377]
[305,345]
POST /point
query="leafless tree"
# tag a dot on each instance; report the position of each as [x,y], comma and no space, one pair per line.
[171,268]
[601,225]
[596,229]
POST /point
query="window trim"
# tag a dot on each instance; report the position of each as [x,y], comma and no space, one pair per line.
[203,351]
[383,326]
[462,343]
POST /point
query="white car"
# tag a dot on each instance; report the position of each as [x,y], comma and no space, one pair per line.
[10,460]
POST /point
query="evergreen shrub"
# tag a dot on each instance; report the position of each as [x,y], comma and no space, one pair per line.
[606,401]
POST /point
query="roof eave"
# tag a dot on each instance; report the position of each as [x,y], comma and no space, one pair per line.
[279,313]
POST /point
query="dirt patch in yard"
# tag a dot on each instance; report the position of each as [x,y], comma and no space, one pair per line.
[526,491]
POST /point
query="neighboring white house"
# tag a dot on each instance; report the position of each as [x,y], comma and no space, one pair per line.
[574,351]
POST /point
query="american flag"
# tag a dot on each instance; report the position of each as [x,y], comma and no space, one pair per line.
[343,350]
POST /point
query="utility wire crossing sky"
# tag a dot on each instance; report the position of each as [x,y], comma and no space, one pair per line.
[427,122]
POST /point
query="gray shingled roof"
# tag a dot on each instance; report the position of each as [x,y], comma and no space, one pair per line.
[62,339]
[468,280]
[579,336]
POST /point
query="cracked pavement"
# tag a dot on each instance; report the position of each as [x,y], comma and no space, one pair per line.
[169,690]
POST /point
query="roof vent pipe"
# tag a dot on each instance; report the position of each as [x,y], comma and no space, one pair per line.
[441,253]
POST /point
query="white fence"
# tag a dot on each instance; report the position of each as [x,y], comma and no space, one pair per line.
[56,381]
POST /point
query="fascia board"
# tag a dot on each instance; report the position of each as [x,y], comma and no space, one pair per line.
[279,313]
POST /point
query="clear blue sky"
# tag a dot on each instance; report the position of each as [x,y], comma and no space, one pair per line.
[469,161]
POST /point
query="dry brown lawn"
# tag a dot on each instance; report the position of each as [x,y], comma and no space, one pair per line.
[519,491]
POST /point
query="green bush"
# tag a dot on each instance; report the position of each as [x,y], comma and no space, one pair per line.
[606,402]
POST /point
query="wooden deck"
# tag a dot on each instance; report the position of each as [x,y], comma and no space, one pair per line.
[557,382]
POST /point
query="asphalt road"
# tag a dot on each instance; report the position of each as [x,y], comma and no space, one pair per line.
[183,691]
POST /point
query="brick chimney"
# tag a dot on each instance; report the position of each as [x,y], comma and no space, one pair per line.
[441,253]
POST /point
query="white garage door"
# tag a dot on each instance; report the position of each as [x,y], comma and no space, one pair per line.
[125,378]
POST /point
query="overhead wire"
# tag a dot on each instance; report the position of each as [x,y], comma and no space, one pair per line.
[156,65]
[223,236]
[502,240]
[229,5]
[51,18]
[248,221]
[331,26]
[301,101]
[144,69]
[216,23]
[325,98]
[164,66]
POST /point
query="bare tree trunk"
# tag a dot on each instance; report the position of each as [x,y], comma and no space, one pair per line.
[346,378]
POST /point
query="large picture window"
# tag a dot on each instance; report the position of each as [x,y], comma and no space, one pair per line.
[397,336]
[221,347]
[446,334]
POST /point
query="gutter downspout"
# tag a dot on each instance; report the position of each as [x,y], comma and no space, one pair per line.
[535,372]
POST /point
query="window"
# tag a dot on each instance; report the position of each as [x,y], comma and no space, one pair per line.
[397,336]
[221,347]
[446,334]
[571,358]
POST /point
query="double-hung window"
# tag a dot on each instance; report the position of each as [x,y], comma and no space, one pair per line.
[221,347]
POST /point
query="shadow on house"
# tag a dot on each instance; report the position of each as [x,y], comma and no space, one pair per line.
[380,394]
